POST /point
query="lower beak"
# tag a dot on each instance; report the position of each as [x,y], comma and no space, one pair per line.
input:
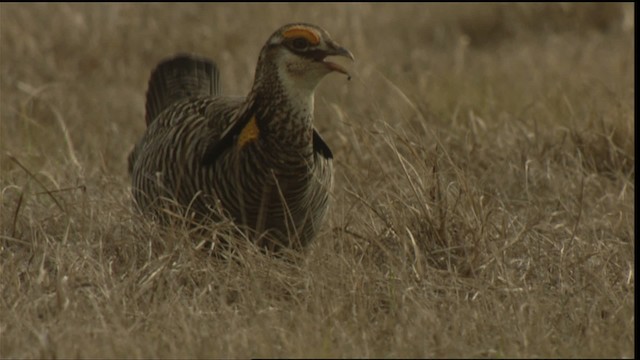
[337,50]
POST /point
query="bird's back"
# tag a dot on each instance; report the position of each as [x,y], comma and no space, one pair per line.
[184,114]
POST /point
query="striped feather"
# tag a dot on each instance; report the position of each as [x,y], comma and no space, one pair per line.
[189,157]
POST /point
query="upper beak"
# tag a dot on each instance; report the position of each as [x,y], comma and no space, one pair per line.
[337,50]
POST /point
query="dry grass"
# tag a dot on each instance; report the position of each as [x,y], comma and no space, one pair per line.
[483,208]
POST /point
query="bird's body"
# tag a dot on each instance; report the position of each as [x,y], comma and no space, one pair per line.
[258,159]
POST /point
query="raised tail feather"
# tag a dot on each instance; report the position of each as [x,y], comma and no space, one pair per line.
[177,78]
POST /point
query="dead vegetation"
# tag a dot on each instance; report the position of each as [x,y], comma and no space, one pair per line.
[483,204]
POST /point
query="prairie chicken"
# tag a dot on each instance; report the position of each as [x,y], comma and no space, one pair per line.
[257,158]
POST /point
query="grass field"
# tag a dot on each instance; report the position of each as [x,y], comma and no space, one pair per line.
[483,207]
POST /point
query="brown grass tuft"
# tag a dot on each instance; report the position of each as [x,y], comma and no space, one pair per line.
[483,205]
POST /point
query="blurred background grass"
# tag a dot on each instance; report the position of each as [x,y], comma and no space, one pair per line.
[484,195]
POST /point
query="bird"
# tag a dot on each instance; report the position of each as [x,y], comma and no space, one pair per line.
[258,159]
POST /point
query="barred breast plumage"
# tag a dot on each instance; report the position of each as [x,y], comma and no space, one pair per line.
[259,159]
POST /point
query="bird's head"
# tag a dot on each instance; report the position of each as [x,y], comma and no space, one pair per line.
[298,54]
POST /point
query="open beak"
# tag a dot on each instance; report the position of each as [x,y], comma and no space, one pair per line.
[337,50]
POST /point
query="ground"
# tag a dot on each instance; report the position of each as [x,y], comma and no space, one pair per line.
[483,204]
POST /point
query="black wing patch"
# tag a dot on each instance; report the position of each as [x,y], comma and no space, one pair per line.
[230,136]
[226,141]
[320,146]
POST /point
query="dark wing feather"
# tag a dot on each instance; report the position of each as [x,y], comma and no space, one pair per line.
[321,147]
[227,139]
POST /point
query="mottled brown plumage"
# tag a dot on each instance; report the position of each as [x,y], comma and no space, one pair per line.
[258,158]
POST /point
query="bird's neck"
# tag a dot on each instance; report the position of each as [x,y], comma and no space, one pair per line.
[286,116]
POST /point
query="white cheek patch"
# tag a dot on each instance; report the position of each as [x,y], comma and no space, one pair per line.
[298,83]
[297,68]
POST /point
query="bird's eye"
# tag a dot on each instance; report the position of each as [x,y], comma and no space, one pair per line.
[300,43]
